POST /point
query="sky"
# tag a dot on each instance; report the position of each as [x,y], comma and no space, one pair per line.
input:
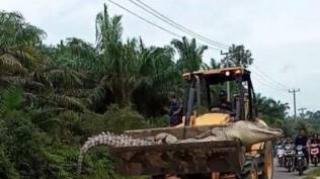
[283,36]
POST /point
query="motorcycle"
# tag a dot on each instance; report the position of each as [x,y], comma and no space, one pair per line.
[280,154]
[314,154]
[289,156]
[300,160]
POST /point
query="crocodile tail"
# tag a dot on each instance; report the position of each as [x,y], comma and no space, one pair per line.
[110,140]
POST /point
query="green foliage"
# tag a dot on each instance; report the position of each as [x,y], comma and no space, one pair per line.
[10,99]
[7,169]
[19,139]
[190,54]
[313,174]
[237,56]
[115,119]
[270,110]
[18,40]
[16,32]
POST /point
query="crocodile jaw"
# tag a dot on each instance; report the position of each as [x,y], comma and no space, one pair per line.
[253,132]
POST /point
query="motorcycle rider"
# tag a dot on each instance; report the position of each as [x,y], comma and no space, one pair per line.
[302,139]
[318,140]
[315,140]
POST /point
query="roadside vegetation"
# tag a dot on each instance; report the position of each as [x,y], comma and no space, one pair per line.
[314,174]
[53,97]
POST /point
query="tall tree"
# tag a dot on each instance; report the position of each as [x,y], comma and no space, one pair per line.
[120,60]
[190,54]
[18,40]
[238,56]
[128,65]
[160,77]
[271,110]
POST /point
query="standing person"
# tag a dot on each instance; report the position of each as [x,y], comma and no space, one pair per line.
[175,111]
[302,139]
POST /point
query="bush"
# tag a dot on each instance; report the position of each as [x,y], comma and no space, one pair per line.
[6,167]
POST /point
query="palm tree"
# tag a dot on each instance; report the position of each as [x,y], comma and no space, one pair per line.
[238,56]
[190,55]
[213,65]
[18,50]
[76,54]
[129,65]
[22,64]
[160,77]
[18,40]
[118,59]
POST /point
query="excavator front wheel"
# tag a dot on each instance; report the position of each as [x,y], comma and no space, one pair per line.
[249,170]
[268,161]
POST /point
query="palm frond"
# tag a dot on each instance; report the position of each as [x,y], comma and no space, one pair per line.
[67,102]
[64,77]
[96,95]
[76,92]
[15,32]
[28,56]
[19,81]
[10,64]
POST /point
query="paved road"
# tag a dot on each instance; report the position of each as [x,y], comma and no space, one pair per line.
[282,173]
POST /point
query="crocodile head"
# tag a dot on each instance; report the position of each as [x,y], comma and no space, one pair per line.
[253,132]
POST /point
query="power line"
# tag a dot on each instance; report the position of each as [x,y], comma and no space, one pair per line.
[184,29]
[268,77]
[169,21]
[145,20]
[263,82]
[154,24]
[269,81]
[176,25]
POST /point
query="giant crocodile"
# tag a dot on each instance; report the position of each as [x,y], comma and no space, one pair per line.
[246,131]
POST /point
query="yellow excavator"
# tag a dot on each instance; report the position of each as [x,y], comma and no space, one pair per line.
[201,112]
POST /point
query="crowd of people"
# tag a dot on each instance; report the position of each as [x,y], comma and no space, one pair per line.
[303,140]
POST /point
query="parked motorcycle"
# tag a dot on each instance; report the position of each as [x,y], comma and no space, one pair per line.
[314,154]
[289,156]
[280,154]
[300,160]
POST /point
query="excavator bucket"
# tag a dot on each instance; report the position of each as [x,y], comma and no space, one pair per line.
[178,158]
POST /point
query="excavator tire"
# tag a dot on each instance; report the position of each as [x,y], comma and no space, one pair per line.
[158,177]
[249,170]
[196,176]
[187,176]
[267,161]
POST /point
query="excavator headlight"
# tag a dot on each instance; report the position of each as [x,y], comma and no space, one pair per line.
[238,72]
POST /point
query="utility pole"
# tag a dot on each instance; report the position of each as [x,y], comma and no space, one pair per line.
[294,91]
[302,112]
[228,82]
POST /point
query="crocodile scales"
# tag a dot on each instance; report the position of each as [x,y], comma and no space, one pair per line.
[245,131]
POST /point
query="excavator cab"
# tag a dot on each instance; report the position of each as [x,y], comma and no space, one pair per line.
[202,105]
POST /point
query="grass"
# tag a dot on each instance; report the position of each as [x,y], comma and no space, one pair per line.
[314,174]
